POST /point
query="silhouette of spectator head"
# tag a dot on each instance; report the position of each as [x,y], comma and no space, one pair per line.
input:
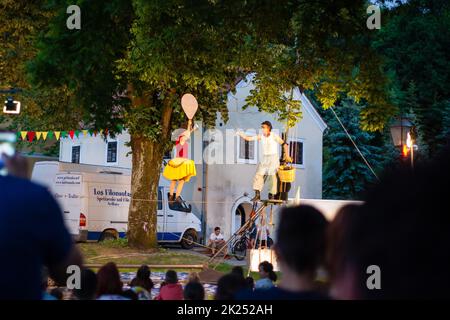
[336,232]
[108,280]
[266,271]
[88,285]
[404,230]
[228,285]
[143,278]
[194,291]
[250,282]
[193,277]
[300,244]
[238,271]
[171,277]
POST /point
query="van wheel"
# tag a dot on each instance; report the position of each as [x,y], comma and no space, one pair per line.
[108,235]
[189,239]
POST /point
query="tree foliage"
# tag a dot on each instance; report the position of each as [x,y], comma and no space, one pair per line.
[346,176]
[415,42]
[326,49]
[44,108]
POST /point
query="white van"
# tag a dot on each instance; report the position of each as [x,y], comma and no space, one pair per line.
[95,201]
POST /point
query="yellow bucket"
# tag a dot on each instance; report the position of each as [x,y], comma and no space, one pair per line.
[286,173]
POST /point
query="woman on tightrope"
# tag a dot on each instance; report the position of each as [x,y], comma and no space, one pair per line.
[180,169]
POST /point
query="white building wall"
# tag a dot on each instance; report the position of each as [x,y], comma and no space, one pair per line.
[93,150]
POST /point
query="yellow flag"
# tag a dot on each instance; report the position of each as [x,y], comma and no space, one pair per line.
[57,134]
[23,134]
[101,131]
[85,132]
[38,135]
[44,135]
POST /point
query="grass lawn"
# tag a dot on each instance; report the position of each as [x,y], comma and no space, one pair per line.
[118,251]
[100,253]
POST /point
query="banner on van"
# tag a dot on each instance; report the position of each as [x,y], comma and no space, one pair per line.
[67,179]
[67,191]
[106,195]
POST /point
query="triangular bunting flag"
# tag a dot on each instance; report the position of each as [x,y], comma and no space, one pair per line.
[44,135]
[57,134]
[95,133]
[85,132]
[23,134]
[77,133]
[91,132]
[51,134]
[63,134]
[71,134]
[106,132]
[31,135]
[119,128]
[101,131]
[38,135]
[18,135]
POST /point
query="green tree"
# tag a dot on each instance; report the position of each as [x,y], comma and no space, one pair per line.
[44,108]
[346,175]
[133,60]
[415,42]
[445,135]
[327,49]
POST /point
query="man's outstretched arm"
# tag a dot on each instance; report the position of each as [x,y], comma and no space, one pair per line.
[247,138]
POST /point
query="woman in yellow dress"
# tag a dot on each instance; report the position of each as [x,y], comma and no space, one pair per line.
[180,169]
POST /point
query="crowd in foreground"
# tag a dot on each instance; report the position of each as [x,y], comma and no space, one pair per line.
[107,285]
[394,245]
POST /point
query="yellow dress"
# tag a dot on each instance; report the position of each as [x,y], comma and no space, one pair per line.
[180,169]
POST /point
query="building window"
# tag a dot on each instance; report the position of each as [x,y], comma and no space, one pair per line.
[111,154]
[168,155]
[76,154]
[246,151]
[296,152]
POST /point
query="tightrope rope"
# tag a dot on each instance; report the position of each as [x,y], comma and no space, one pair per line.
[353,142]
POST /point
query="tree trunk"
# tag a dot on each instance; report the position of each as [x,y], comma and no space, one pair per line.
[147,158]
[145,173]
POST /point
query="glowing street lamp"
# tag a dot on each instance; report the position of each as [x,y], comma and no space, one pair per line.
[11,106]
[402,137]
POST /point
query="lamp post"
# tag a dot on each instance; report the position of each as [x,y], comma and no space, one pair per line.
[11,106]
[403,136]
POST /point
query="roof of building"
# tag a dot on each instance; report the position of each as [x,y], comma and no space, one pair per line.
[308,107]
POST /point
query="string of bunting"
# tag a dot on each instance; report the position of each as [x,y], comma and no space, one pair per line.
[31,136]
